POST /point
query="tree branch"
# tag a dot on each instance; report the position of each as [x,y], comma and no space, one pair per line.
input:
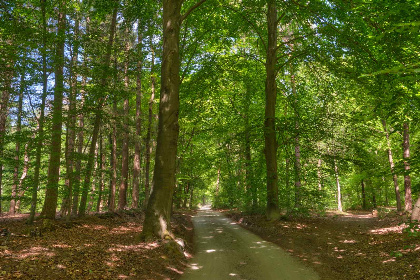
[198,4]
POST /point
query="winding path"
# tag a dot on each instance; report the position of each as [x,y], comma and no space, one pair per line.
[227,251]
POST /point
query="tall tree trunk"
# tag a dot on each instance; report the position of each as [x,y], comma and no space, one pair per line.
[40,139]
[122,200]
[319,173]
[337,180]
[71,126]
[23,176]
[94,176]
[158,213]
[98,114]
[6,89]
[363,196]
[298,167]
[270,113]
[149,127]
[113,186]
[137,142]
[51,194]
[102,173]
[12,207]
[407,179]
[80,142]
[391,163]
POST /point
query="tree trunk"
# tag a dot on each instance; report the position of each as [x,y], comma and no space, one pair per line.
[94,176]
[391,163]
[415,216]
[113,186]
[98,114]
[71,126]
[407,179]
[158,213]
[6,89]
[319,173]
[149,128]
[51,194]
[122,200]
[337,180]
[102,173]
[12,207]
[80,139]
[23,176]
[270,113]
[34,197]
[137,144]
[363,196]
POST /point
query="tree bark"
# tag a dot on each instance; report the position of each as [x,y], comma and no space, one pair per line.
[6,89]
[122,199]
[149,127]
[363,196]
[158,213]
[51,194]
[137,142]
[40,139]
[12,207]
[113,186]
[415,216]
[80,139]
[71,126]
[102,173]
[391,163]
[98,115]
[270,113]
[407,179]
[337,180]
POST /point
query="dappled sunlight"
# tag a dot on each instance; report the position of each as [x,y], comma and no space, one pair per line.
[95,227]
[135,247]
[348,241]
[394,229]
[175,270]
[210,251]
[34,251]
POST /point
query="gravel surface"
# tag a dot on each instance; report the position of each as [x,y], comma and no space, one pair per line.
[224,250]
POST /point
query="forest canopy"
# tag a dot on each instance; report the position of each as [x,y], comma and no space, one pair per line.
[265,106]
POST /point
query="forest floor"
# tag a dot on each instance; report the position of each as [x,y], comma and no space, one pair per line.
[105,246]
[353,245]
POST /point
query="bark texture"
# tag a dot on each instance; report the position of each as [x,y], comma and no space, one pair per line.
[270,113]
[137,142]
[392,165]
[51,194]
[407,179]
[158,213]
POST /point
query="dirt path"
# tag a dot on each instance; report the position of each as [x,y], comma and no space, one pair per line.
[227,251]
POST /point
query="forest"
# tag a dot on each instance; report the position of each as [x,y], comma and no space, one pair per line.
[146,110]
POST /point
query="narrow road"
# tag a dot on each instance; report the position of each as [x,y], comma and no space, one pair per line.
[227,251]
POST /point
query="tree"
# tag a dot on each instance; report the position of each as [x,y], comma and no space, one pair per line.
[158,213]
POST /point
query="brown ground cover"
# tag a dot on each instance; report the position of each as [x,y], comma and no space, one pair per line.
[344,246]
[95,247]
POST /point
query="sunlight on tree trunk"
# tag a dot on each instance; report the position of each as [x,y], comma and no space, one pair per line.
[407,179]
[391,163]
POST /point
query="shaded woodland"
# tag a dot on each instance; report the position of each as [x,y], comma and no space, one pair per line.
[269,107]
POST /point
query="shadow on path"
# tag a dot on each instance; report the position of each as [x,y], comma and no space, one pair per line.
[227,251]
